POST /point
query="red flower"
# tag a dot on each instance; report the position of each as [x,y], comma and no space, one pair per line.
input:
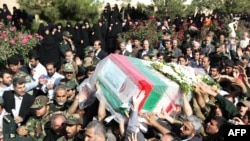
[9,17]
[12,41]
[24,41]
[13,28]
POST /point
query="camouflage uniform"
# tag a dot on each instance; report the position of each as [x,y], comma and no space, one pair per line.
[64,82]
[22,74]
[68,67]
[54,107]
[36,125]
[74,119]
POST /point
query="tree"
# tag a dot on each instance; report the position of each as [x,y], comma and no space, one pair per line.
[54,10]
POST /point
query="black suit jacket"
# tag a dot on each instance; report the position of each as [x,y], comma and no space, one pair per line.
[126,53]
[101,55]
[9,103]
[149,52]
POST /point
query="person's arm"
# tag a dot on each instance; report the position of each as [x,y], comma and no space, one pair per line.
[227,106]
[133,122]
[73,107]
[151,120]
[164,115]
[101,109]
[187,109]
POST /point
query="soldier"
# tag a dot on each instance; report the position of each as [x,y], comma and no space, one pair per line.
[35,126]
[71,91]
[60,103]
[66,44]
[69,74]
[73,128]
[57,128]
[60,99]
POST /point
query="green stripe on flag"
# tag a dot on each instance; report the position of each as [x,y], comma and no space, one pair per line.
[159,86]
[112,99]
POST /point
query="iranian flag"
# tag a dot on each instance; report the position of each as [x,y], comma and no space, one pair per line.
[121,77]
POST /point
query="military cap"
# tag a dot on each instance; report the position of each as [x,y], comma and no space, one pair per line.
[68,67]
[245,103]
[67,34]
[74,119]
[39,102]
[245,56]
[71,85]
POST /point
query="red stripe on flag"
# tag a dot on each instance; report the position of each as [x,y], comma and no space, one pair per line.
[134,73]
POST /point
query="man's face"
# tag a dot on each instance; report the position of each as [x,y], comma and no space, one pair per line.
[69,56]
[229,70]
[13,68]
[137,43]
[187,129]
[175,43]
[61,96]
[205,62]
[90,135]
[57,123]
[69,75]
[41,112]
[214,72]
[96,45]
[50,69]
[146,44]
[33,63]
[20,89]
[72,130]
[70,93]
[7,79]
[212,127]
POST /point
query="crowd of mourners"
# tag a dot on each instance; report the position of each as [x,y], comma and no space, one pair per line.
[39,100]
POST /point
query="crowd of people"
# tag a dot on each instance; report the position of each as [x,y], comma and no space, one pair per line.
[39,100]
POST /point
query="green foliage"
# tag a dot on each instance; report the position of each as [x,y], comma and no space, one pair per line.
[207,4]
[146,30]
[55,10]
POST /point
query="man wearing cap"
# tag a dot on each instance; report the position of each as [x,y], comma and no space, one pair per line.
[71,91]
[66,44]
[35,126]
[243,106]
[73,128]
[69,74]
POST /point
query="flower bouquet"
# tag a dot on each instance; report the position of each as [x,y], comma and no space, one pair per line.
[180,74]
[185,77]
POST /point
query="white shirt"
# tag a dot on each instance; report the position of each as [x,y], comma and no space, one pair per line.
[97,52]
[39,70]
[244,42]
[2,90]
[18,102]
[54,79]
